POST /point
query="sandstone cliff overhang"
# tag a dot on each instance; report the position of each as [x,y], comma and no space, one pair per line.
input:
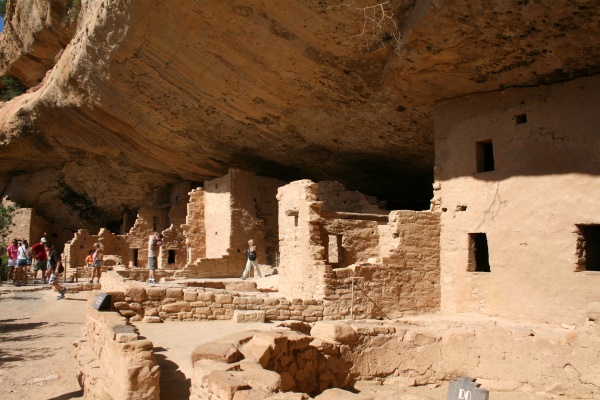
[125,96]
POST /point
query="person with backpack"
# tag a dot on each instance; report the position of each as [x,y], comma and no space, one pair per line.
[251,251]
[54,269]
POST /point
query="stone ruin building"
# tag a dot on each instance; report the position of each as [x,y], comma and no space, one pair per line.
[511,235]
[492,272]
[474,286]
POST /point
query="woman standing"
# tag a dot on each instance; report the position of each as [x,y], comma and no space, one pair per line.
[12,252]
[97,261]
[21,272]
[251,251]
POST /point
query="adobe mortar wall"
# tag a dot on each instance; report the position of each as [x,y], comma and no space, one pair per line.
[546,180]
[217,216]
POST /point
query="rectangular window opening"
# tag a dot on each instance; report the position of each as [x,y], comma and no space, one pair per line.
[133,257]
[479,259]
[171,257]
[485,156]
[588,248]
[335,249]
[521,119]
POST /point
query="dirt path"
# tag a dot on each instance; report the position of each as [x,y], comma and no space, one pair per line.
[36,351]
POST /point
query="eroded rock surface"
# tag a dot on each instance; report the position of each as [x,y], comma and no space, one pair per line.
[126,97]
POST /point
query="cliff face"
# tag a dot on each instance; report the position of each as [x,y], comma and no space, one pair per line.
[127,96]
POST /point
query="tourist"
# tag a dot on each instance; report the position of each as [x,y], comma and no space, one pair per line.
[54,269]
[97,262]
[89,262]
[41,259]
[251,251]
[153,246]
[21,272]
[12,252]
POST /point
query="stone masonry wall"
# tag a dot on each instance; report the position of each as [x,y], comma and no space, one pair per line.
[194,228]
[359,239]
[114,363]
[139,301]
[302,263]
[406,281]
[147,220]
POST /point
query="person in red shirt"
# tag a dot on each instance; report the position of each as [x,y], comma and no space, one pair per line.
[12,252]
[41,259]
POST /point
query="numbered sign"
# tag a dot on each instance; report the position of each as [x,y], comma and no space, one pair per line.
[102,302]
[465,388]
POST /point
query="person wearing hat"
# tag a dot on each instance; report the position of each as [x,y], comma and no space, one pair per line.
[41,259]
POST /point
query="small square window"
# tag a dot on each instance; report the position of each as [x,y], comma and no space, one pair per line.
[521,119]
[485,156]
[479,259]
[588,248]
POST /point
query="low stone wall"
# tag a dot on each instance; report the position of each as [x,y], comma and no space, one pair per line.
[114,363]
[274,364]
[502,355]
[139,301]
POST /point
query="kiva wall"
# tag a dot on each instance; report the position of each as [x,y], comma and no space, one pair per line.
[542,183]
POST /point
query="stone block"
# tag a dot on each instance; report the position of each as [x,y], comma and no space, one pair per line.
[174,293]
[127,313]
[216,351]
[190,296]
[269,381]
[176,307]
[155,293]
[203,368]
[126,337]
[137,294]
[248,316]
[334,331]
[224,384]
[206,296]
[224,299]
[288,396]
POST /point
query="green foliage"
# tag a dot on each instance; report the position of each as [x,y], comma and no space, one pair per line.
[4,267]
[6,221]
[10,87]
[73,10]
[2,8]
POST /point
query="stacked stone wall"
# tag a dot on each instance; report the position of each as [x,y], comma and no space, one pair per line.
[154,304]
[194,228]
[302,265]
[360,239]
[406,281]
[144,226]
[114,363]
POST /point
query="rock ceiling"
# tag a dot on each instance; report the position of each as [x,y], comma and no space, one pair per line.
[127,96]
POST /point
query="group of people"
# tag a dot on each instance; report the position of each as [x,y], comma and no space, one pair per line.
[42,256]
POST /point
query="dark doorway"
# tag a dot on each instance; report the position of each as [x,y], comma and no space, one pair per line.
[485,156]
[479,259]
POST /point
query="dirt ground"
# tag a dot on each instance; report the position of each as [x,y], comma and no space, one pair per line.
[36,351]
